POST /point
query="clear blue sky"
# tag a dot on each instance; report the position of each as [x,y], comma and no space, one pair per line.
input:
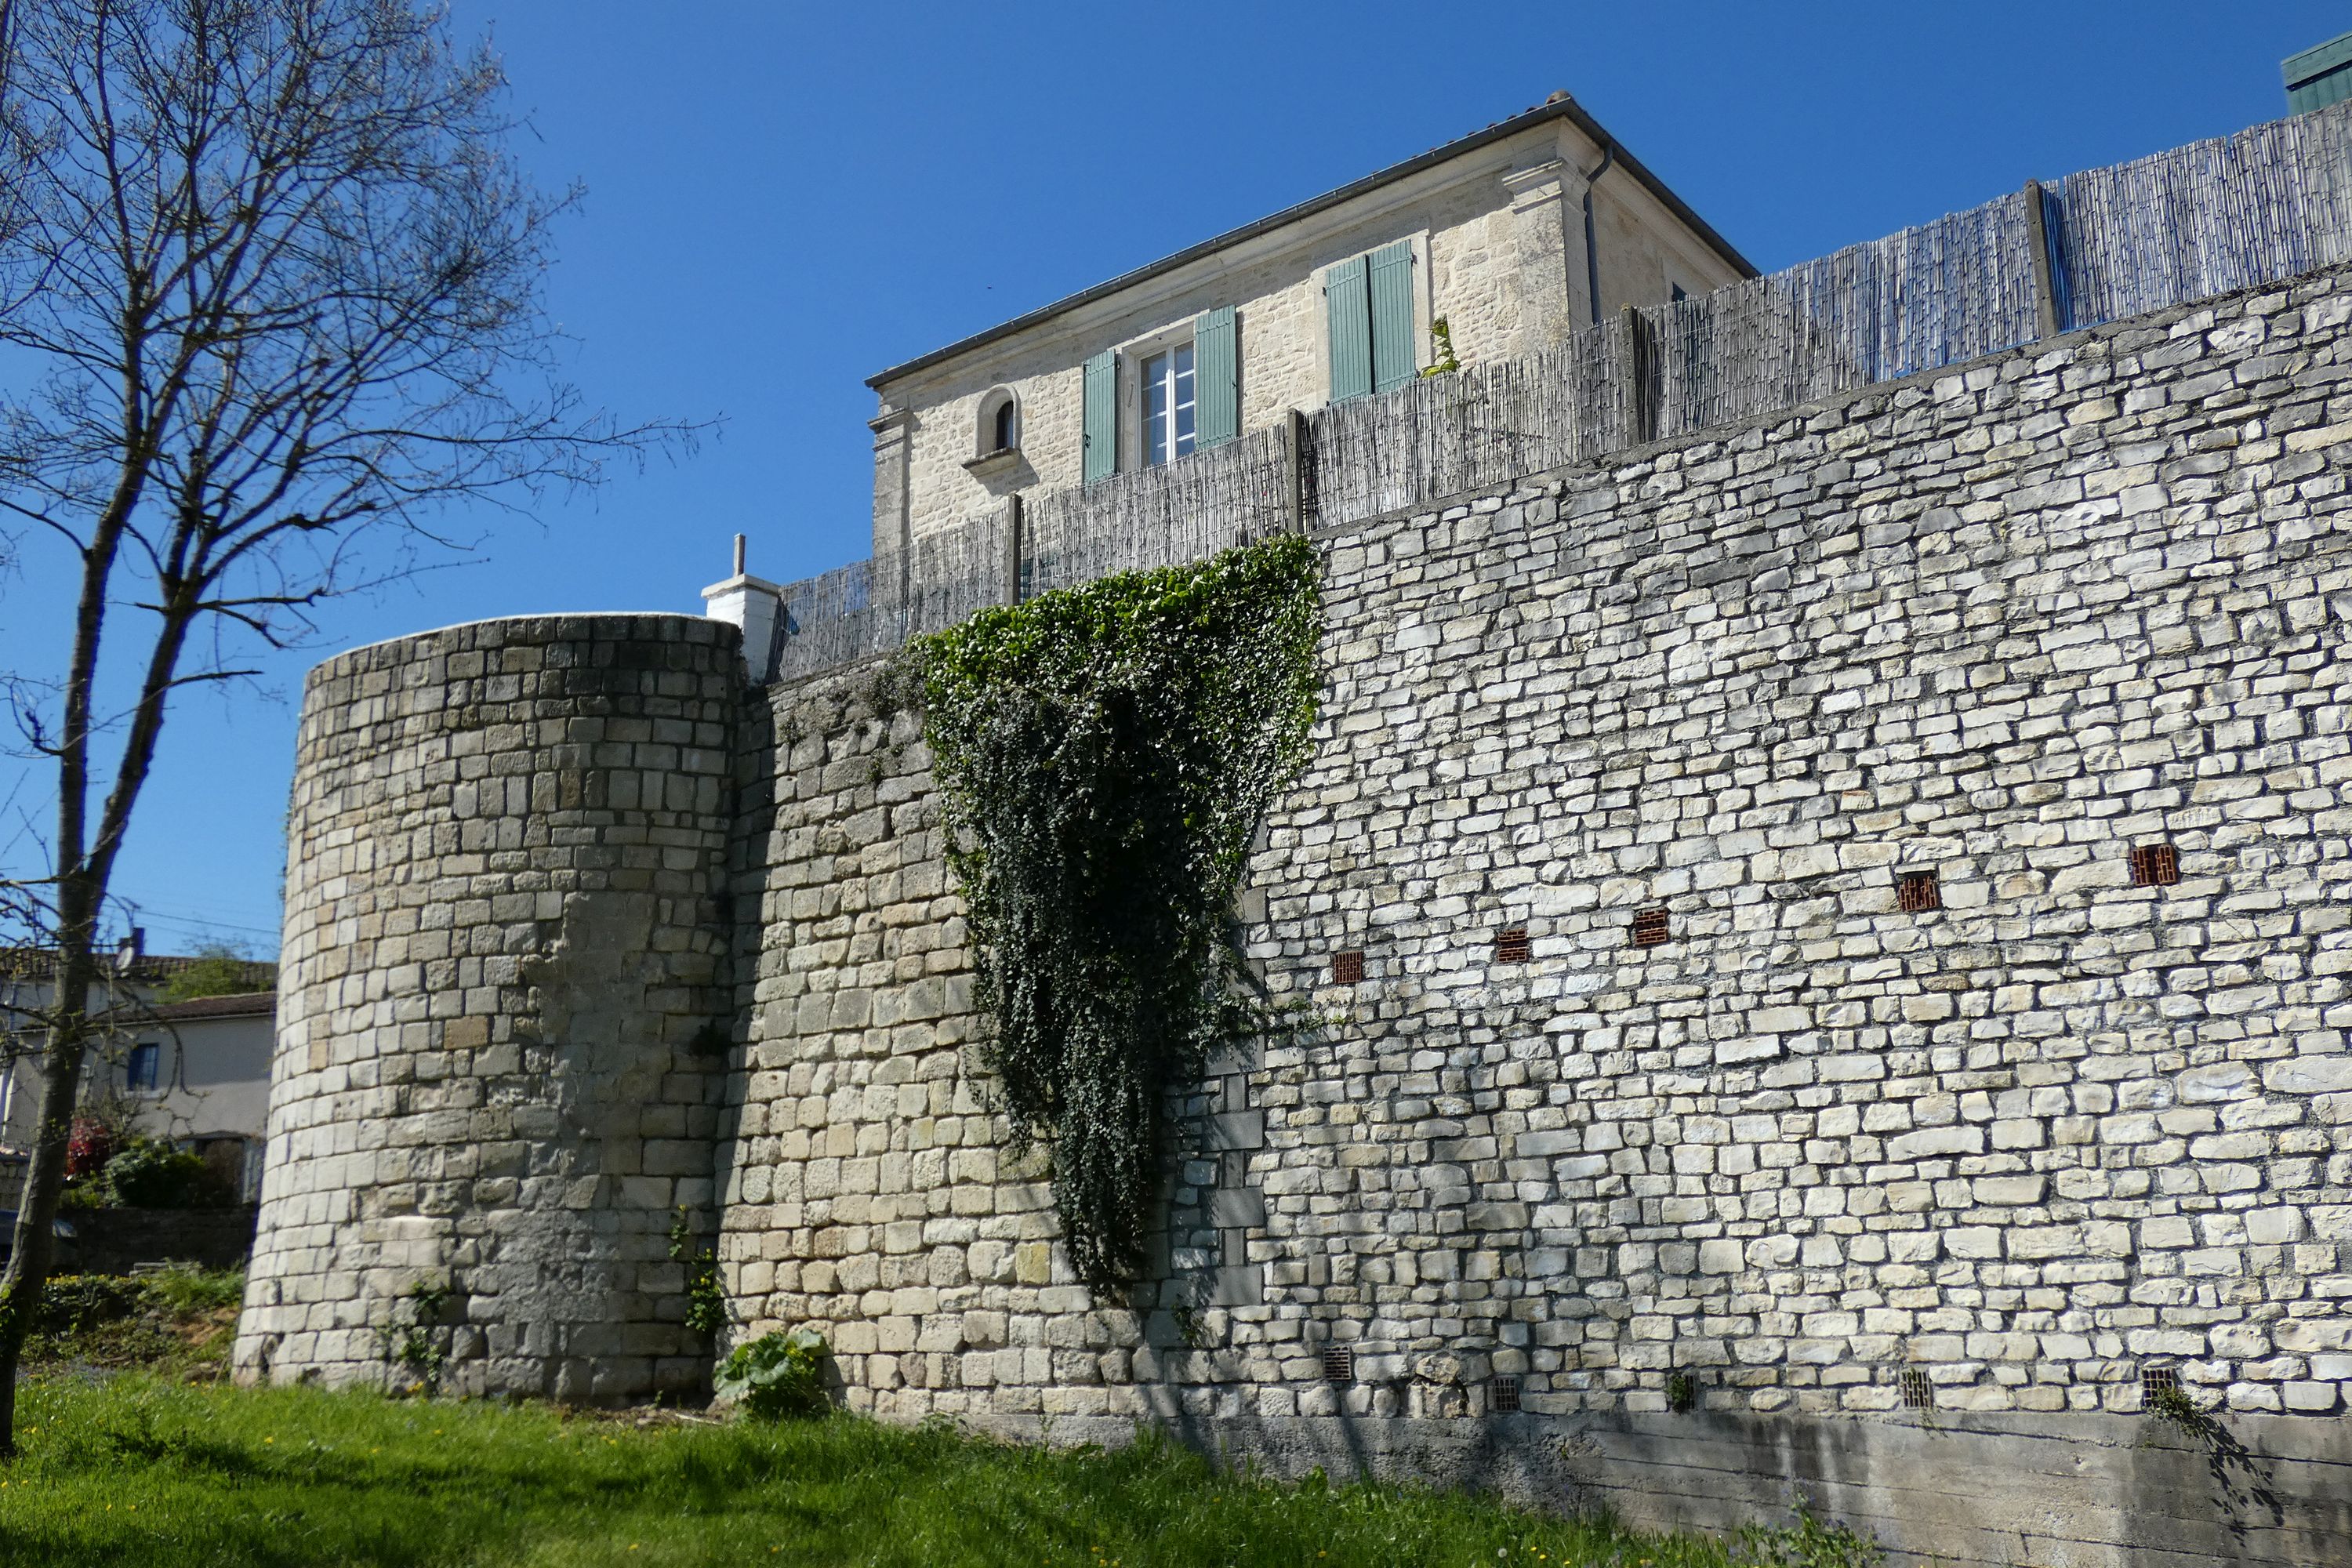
[783,199]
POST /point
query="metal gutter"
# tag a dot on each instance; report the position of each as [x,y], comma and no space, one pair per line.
[1564,108]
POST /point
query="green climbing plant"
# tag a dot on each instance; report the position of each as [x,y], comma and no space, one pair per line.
[420,1345]
[705,1296]
[1105,755]
[1442,360]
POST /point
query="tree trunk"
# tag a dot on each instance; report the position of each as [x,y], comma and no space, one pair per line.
[45,1178]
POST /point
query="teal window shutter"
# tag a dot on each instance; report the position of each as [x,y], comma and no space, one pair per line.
[1216,378]
[1347,307]
[1101,426]
[1391,310]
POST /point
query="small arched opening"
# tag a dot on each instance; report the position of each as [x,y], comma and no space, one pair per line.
[999,422]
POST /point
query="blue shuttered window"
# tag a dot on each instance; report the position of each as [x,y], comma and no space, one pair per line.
[1101,460]
[1391,302]
[1367,305]
[1217,372]
[1348,311]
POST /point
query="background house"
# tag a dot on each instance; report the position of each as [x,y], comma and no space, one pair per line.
[1513,236]
[194,1071]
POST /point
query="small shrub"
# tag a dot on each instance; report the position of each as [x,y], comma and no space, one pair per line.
[187,1289]
[73,1302]
[219,970]
[421,1345]
[1807,1544]
[92,1193]
[149,1175]
[776,1375]
[178,1320]
[89,1146]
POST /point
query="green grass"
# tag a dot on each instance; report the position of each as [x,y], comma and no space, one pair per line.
[138,1469]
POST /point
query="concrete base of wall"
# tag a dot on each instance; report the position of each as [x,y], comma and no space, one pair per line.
[2011,1491]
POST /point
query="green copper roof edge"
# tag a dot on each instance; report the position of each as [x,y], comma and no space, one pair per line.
[2317,60]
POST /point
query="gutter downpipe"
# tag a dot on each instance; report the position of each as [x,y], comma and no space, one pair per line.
[1591,250]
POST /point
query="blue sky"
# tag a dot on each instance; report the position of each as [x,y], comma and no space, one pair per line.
[783,199]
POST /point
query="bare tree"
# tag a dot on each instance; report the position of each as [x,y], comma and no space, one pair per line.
[278,286]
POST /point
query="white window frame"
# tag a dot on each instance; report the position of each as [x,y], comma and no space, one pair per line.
[1132,355]
[1174,375]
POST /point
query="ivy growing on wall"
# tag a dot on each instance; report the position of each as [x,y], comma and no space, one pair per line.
[1105,754]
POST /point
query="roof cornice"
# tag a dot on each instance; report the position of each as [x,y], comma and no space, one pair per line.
[1564,107]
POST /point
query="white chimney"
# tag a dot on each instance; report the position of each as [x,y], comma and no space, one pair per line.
[753,604]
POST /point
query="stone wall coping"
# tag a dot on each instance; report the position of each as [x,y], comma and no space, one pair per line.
[605,624]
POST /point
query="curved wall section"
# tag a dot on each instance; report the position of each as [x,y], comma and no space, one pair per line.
[503,1013]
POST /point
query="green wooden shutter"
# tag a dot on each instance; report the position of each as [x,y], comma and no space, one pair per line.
[1347,307]
[1392,308]
[1101,417]
[1217,378]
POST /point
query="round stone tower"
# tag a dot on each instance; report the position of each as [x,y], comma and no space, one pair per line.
[502,1014]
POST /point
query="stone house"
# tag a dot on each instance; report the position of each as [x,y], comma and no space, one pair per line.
[1513,236]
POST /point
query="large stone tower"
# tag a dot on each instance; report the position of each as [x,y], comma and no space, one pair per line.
[504,1006]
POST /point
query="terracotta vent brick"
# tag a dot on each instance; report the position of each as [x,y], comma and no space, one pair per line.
[1505,1390]
[1511,945]
[1348,968]
[1338,1366]
[1918,891]
[1652,928]
[2155,865]
[2156,1380]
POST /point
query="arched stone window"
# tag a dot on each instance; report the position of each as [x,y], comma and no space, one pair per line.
[999,422]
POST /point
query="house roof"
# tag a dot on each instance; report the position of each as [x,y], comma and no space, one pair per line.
[257,1004]
[1560,107]
[153,968]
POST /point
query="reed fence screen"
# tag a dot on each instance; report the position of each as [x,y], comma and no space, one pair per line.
[1186,511]
[2207,218]
[2264,206]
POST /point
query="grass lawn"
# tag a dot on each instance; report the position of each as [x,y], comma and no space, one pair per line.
[134,1469]
[166,1467]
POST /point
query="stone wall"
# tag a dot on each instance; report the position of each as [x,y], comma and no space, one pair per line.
[123,1240]
[1815,1157]
[1827,1183]
[1999,628]
[503,1012]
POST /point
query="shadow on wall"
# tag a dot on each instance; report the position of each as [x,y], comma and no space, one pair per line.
[1993,1491]
[1532,1460]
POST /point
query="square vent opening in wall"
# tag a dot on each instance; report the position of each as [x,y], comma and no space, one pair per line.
[1348,968]
[2157,1381]
[1652,928]
[1338,1366]
[1918,1393]
[1916,892]
[1511,945]
[2155,865]
[1504,1392]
